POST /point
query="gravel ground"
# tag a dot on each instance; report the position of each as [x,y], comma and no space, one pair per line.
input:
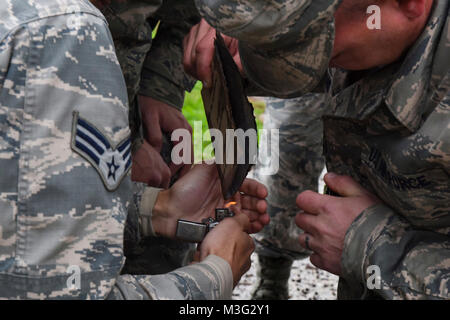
[306,281]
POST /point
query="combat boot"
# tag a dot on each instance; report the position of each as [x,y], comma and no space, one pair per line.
[273,277]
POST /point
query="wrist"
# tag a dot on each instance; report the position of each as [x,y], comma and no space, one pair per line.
[164,223]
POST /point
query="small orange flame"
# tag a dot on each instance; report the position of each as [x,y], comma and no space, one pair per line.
[229,204]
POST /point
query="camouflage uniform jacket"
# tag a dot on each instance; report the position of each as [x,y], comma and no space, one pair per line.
[389,129]
[64,187]
[151,67]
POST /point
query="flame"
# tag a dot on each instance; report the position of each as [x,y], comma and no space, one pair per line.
[229,204]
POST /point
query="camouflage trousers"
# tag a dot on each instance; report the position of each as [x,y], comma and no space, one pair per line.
[300,165]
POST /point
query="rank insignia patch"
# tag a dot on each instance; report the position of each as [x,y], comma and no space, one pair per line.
[111,162]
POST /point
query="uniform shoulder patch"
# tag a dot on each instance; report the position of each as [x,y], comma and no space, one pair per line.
[111,162]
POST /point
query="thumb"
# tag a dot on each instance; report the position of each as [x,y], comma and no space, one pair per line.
[205,55]
[344,185]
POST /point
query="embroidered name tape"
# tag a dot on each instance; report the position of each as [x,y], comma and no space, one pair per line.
[111,162]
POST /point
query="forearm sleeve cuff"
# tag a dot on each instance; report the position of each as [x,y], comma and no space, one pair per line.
[146,211]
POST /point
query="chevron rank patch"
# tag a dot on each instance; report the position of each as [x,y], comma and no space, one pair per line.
[111,162]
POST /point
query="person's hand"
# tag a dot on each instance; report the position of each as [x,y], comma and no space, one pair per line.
[158,118]
[230,242]
[196,195]
[326,219]
[199,51]
[149,167]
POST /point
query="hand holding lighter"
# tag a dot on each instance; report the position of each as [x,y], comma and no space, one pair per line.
[195,232]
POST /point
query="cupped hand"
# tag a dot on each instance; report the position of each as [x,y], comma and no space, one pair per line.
[197,194]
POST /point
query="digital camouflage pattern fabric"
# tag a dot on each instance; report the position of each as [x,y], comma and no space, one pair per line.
[56,211]
[301,163]
[277,51]
[152,67]
[389,131]
[59,221]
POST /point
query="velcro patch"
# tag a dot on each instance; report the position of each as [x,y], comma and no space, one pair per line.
[111,162]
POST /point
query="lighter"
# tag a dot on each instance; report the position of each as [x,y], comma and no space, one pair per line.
[195,232]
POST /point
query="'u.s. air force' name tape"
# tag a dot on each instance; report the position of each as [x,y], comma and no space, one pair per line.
[111,162]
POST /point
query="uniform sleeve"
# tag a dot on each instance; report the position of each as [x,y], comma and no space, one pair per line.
[139,219]
[66,116]
[210,279]
[412,263]
[163,77]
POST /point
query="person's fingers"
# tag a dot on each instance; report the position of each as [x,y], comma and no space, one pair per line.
[344,185]
[311,202]
[307,222]
[149,167]
[153,131]
[190,49]
[261,206]
[204,29]
[309,242]
[257,220]
[200,33]
[264,219]
[317,261]
[251,203]
[255,227]
[166,174]
[189,42]
[203,37]
[233,47]
[251,214]
[203,58]
[254,188]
